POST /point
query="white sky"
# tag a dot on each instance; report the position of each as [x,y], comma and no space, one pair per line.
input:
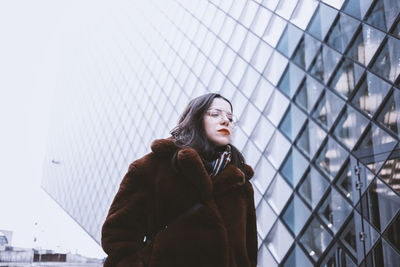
[31,32]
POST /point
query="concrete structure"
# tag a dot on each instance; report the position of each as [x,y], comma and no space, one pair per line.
[314,83]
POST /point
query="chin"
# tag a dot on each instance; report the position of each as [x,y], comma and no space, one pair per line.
[220,142]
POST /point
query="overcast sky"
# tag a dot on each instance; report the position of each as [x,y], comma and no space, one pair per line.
[31,32]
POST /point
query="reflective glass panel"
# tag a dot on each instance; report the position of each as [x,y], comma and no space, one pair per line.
[331,158]
[261,56]
[262,133]
[277,149]
[279,240]
[357,8]
[337,256]
[265,259]
[365,44]
[390,114]
[379,204]
[309,92]
[370,93]
[292,122]
[392,234]
[334,210]
[296,215]
[261,21]
[285,8]
[383,14]
[276,107]
[350,127]
[328,109]
[315,239]
[382,255]
[346,185]
[310,138]
[325,63]
[297,258]
[275,67]
[303,13]
[396,30]
[390,172]
[290,80]
[342,32]
[313,187]
[278,193]
[375,148]
[263,174]
[294,167]
[265,218]
[321,21]
[262,93]
[289,40]
[350,236]
[346,77]
[387,63]
[274,30]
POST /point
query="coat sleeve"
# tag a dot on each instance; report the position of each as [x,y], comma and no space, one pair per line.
[126,223]
[251,229]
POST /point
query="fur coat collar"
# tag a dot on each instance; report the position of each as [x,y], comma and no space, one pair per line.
[192,167]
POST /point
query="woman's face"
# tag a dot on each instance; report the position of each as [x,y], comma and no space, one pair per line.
[217,122]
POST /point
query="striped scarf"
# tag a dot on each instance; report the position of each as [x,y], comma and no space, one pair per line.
[220,163]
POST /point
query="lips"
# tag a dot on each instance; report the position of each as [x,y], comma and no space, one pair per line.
[224,131]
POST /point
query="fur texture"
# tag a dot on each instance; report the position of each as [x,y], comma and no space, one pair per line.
[221,233]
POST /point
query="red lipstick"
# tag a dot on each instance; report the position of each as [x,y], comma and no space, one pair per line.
[224,131]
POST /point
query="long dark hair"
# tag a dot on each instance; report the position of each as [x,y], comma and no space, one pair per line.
[190,130]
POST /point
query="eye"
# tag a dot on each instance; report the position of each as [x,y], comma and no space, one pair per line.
[214,113]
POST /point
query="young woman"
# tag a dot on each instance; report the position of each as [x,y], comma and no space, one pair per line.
[189,202]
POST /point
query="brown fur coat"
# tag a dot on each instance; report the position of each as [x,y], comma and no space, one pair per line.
[221,233]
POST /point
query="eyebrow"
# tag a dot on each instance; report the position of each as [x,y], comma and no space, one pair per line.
[227,112]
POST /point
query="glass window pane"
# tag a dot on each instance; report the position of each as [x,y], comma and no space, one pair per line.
[262,93]
[251,153]
[265,218]
[285,8]
[313,187]
[331,158]
[263,174]
[342,32]
[249,46]
[382,255]
[265,258]
[337,256]
[350,238]
[328,109]
[383,14]
[296,215]
[261,56]
[390,172]
[370,94]
[390,114]
[274,30]
[387,63]
[275,67]
[249,81]
[321,21]
[346,183]
[315,239]
[249,13]
[279,241]
[290,80]
[311,138]
[261,21]
[297,258]
[277,149]
[334,210]
[357,8]
[294,167]
[262,133]
[292,122]
[365,44]
[375,148]
[392,234]
[303,13]
[309,92]
[289,40]
[270,4]
[350,127]
[276,107]
[379,205]
[237,71]
[278,193]
[346,77]
[396,30]
[325,63]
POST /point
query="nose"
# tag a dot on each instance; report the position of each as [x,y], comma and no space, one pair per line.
[224,120]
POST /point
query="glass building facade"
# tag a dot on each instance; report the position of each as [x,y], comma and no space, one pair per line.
[315,85]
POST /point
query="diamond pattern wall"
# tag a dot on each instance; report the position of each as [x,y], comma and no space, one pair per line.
[314,83]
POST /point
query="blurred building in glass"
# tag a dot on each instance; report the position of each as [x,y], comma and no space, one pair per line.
[314,83]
